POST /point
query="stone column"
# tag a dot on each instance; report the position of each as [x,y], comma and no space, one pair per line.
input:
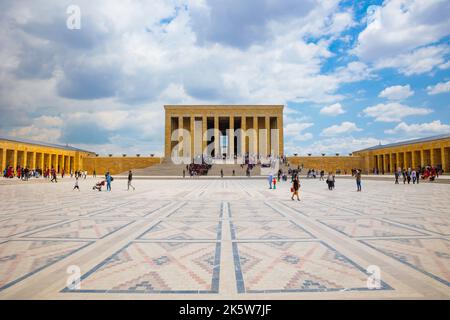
[231,139]
[204,136]
[243,130]
[4,159]
[267,124]
[56,163]
[180,135]
[167,136]
[192,133]
[15,161]
[217,152]
[280,134]
[392,163]
[422,158]
[255,127]
[444,160]
[42,162]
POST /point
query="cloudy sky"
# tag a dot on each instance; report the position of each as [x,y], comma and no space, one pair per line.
[351,74]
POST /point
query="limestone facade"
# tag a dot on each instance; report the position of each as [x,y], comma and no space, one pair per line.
[197,119]
[432,151]
[35,155]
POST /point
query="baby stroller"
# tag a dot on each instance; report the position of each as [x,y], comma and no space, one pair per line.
[98,186]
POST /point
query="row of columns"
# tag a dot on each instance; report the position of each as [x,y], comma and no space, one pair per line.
[389,162]
[36,160]
[255,126]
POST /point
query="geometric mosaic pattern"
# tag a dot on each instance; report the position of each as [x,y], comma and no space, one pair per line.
[267,230]
[14,226]
[198,210]
[167,267]
[20,259]
[368,227]
[81,229]
[134,209]
[263,267]
[249,210]
[429,256]
[318,210]
[224,239]
[436,224]
[184,230]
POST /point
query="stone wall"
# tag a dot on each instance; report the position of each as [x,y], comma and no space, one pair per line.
[116,165]
[328,163]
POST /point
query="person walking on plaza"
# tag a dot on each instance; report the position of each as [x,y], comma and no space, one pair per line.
[295,188]
[53,176]
[108,181]
[76,186]
[358,180]
[404,176]
[270,180]
[221,173]
[130,178]
[330,181]
[396,174]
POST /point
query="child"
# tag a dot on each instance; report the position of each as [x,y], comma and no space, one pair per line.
[274,183]
[76,184]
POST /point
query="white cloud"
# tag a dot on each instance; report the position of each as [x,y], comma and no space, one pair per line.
[418,61]
[338,129]
[332,110]
[393,112]
[441,87]
[396,92]
[400,26]
[445,66]
[294,131]
[342,145]
[417,129]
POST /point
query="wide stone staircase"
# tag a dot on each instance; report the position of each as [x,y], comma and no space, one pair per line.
[228,170]
[165,168]
[168,168]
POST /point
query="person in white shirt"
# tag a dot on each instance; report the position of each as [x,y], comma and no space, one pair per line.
[414,176]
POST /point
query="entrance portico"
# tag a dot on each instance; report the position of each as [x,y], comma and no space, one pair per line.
[224,131]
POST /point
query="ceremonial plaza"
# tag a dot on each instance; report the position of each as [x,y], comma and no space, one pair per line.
[210,227]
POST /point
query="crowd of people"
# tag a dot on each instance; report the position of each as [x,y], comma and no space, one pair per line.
[196,169]
[21,173]
[415,175]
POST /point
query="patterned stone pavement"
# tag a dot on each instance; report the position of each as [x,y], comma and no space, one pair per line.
[224,239]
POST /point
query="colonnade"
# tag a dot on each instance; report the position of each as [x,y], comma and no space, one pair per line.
[253,131]
[413,158]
